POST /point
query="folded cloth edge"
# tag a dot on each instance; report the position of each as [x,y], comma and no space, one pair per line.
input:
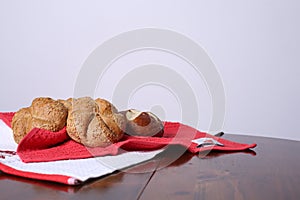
[44,177]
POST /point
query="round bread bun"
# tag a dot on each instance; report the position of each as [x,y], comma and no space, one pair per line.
[48,114]
[20,124]
[87,126]
[143,123]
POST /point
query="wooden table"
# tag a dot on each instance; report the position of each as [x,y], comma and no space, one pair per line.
[271,171]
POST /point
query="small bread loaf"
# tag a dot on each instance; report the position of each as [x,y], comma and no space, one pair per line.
[48,114]
[143,123]
[20,124]
[93,125]
[44,113]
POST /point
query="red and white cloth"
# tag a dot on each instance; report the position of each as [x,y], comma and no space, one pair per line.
[42,148]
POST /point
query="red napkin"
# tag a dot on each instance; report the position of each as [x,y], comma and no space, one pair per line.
[40,145]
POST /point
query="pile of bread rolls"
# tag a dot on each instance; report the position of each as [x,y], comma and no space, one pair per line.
[93,123]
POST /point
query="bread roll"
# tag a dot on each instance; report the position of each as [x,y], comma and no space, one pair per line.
[48,114]
[44,113]
[91,125]
[143,123]
[20,124]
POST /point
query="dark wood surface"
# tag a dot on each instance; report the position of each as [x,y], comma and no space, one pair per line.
[270,171]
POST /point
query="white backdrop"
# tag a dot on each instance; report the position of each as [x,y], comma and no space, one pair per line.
[254,44]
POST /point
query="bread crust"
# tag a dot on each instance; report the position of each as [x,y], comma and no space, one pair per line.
[20,124]
[67,103]
[114,120]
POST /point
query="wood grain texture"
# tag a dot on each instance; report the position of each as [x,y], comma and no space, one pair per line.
[269,172]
